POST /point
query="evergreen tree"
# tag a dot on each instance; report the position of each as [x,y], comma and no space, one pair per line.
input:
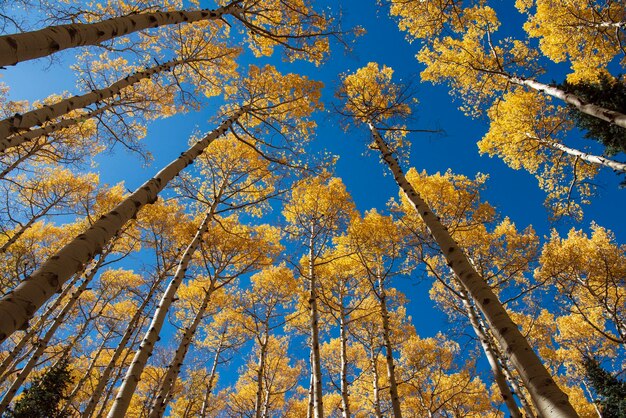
[608,92]
[610,390]
[42,398]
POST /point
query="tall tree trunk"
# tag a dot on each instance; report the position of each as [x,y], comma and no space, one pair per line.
[343,336]
[260,375]
[42,343]
[19,305]
[131,328]
[608,115]
[391,368]
[548,398]
[167,383]
[513,381]
[31,331]
[211,379]
[375,385]
[36,44]
[19,122]
[133,374]
[498,374]
[590,158]
[311,406]
[118,376]
[318,411]
[48,129]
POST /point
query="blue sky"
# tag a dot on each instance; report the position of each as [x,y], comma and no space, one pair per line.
[514,193]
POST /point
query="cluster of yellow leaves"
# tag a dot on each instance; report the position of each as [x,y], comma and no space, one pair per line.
[474,66]
[318,203]
[234,172]
[371,96]
[294,23]
[524,126]
[590,34]
[589,272]
[276,103]
[424,19]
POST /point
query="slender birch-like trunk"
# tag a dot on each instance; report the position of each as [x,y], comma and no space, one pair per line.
[26,46]
[132,326]
[167,384]
[31,331]
[19,305]
[51,128]
[19,122]
[391,368]
[118,376]
[318,410]
[375,385]
[311,406]
[548,398]
[42,343]
[133,374]
[608,115]
[590,158]
[343,336]
[513,381]
[211,379]
[260,375]
[498,374]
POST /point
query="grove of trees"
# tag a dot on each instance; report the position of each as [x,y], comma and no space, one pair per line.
[221,209]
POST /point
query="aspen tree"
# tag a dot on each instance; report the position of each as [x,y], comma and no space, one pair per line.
[377,243]
[370,94]
[287,99]
[268,23]
[317,210]
[273,102]
[502,256]
[478,69]
[527,132]
[341,296]
[231,250]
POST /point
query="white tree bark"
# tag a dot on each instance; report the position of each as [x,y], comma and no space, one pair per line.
[611,116]
[30,45]
[499,377]
[590,158]
[133,374]
[545,393]
[391,372]
[51,128]
[169,380]
[121,346]
[343,335]
[31,331]
[38,117]
[375,384]
[19,305]
[42,343]
[318,410]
